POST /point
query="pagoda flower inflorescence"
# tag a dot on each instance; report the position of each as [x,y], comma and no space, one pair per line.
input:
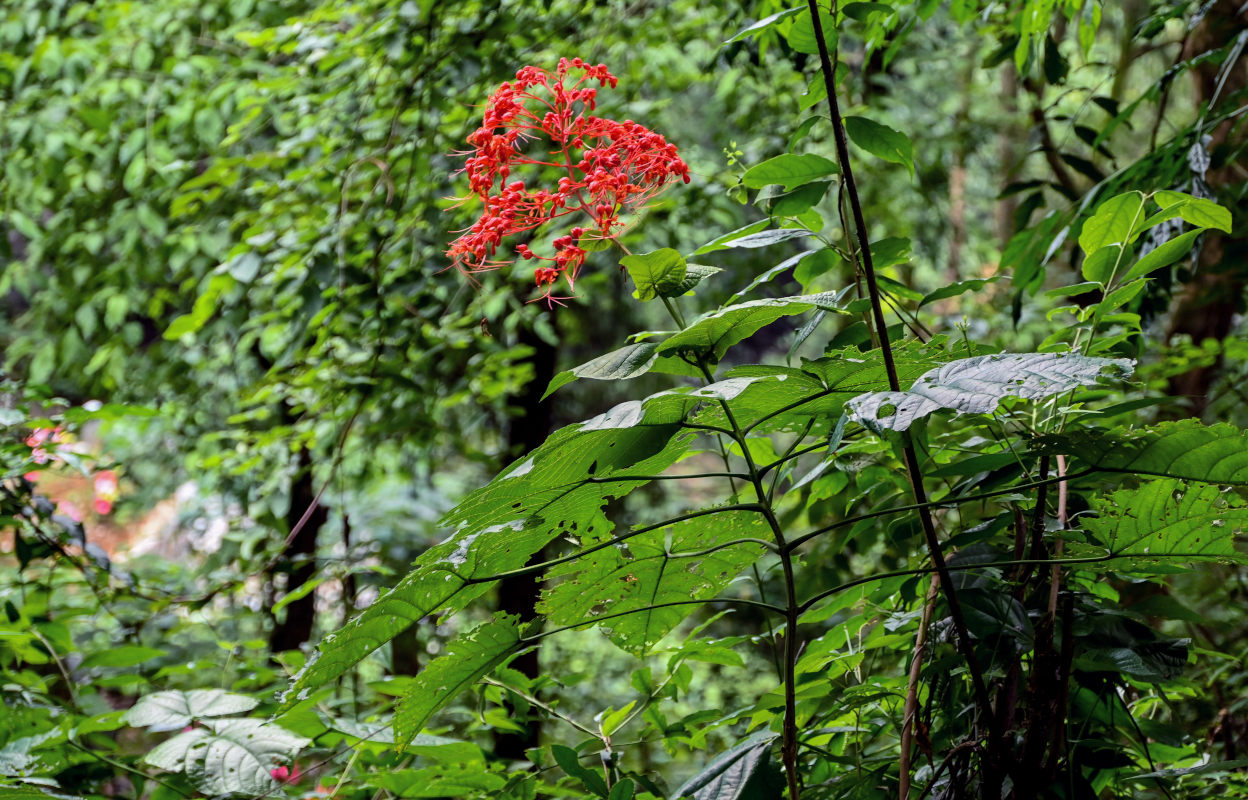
[608,168]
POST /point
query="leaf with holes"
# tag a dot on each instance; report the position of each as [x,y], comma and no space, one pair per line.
[978,385]
[558,490]
[1165,523]
[468,658]
[669,564]
[1187,449]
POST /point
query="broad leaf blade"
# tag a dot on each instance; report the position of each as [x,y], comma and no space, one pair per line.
[556,491]
[1113,222]
[651,569]
[1186,449]
[977,385]
[1164,523]
[467,659]
[172,710]
[230,756]
[655,274]
[789,171]
[881,141]
[713,333]
[732,775]
[629,361]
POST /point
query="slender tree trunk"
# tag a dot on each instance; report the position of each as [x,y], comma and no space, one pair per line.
[1206,306]
[1007,152]
[298,562]
[530,424]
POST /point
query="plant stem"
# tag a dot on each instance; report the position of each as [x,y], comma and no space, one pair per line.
[877,308]
[792,610]
[912,690]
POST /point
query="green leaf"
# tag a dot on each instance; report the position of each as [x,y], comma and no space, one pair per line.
[801,34]
[122,656]
[656,273]
[31,793]
[957,288]
[1099,267]
[789,170]
[622,790]
[721,242]
[558,490]
[1113,222]
[713,333]
[881,141]
[1185,449]
[230,756]
[468,658]
[977,386]
[694,274]
[768,238]
[736,774]
[171,710]
[627,362]
[764,24]
[1163,255]
[570,762]
[653,568]
[890,251]
[798,201]
[1073,289]
[445,780]
[1110,641]
[1165,523]
[1198,211]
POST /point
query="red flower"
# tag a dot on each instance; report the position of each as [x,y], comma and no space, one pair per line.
[610,168]
[285,774]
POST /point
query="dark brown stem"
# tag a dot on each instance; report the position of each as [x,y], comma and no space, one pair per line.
[982,700]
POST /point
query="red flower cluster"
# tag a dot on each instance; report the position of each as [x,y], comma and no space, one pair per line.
[609,168]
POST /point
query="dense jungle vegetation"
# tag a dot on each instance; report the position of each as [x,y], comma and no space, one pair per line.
[623,399]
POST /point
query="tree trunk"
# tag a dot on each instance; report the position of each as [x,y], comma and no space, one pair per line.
[298,562]
[530,424]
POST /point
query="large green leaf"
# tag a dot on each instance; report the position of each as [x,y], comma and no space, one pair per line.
[653,568]
[448,780]
[789,171]
[881,141]
[1163,255]
[1113,223]
[977,385]
[1186,449]
[1198,211]
[787,399]
[558,490]
[740,773]
[1164,523]
[173,709]
[229,756]
[712,334]
[467,659]
[655,274]
[627,362]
